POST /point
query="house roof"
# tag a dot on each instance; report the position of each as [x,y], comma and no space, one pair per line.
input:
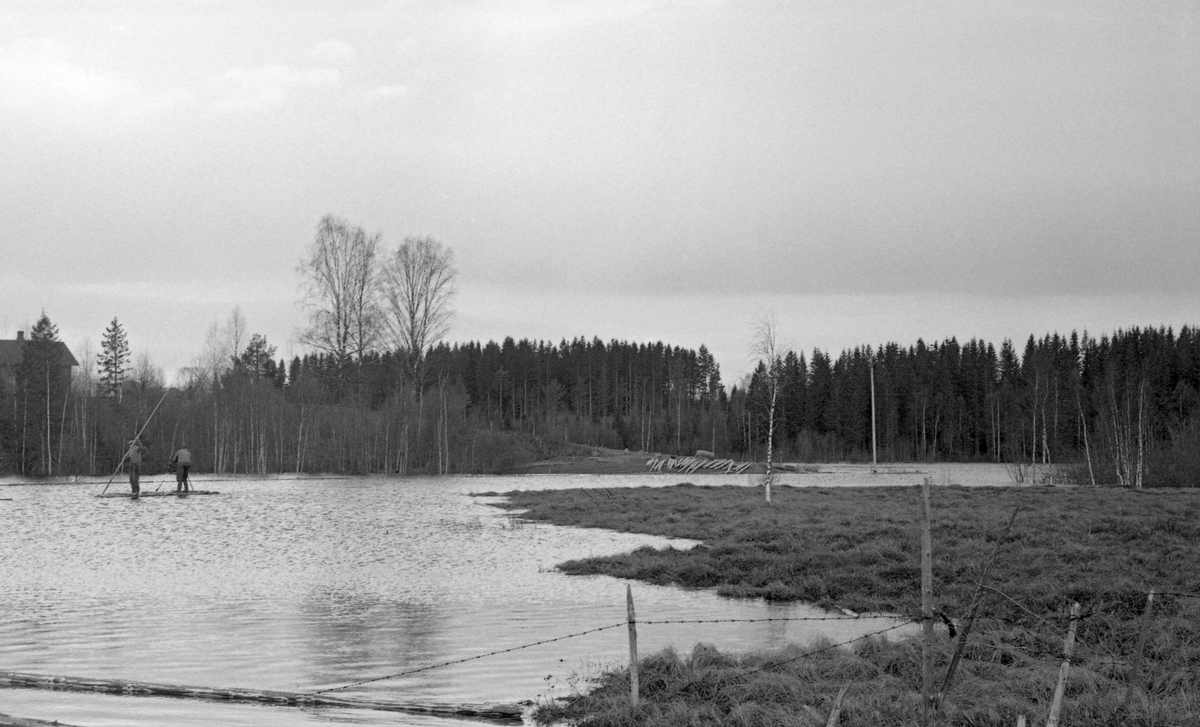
[10,353]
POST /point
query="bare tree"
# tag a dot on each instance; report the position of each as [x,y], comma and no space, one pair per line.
[767,346]
[338,279]
[235,333]
[217,355]
[417,286]
[146,376]
[83,378]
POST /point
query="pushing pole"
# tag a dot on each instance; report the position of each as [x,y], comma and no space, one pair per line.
[136,436]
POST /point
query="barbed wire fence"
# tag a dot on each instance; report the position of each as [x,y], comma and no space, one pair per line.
[1048,626]
[1124,664]
[1046,621]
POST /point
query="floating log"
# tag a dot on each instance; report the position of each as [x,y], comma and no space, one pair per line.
[159,493]
[497,712]
[8,720]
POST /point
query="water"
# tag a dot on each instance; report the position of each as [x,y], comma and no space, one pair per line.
[307,584]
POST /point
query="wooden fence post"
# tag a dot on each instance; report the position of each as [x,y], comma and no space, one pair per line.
[836,714]
[1135,676]
[926,606]
[633,655]
[976,599]
[1068,651]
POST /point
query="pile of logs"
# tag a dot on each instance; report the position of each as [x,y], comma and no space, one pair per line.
[687,465]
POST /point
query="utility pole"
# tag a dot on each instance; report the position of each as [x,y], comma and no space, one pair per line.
[874,456]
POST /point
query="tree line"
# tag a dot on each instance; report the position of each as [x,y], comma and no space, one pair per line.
[1117,409]
[381,392]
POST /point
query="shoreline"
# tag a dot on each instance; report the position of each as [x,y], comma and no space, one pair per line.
[859,549]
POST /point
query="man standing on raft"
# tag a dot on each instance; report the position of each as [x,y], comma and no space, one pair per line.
[182,462]
[136,450]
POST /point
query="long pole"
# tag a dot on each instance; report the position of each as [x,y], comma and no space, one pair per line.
[136,436]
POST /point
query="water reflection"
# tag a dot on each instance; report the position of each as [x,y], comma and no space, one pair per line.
[308,584]
[350,635]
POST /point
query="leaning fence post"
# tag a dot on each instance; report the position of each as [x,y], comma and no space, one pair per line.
[926,606]
[633,657]
[976,600]
[836,714]
[1068,651]
[1135,677]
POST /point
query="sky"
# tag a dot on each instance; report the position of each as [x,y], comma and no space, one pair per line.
[859,171]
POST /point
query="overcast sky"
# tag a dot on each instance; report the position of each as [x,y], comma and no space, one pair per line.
[866,170]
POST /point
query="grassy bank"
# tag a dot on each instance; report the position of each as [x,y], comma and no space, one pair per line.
[858,548]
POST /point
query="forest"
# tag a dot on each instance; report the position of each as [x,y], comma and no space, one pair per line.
[382,391]
[1115,410]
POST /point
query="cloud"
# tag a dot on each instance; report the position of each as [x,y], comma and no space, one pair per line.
[265,87]
[39,79]
[537,17]
[383,93]
[334,52]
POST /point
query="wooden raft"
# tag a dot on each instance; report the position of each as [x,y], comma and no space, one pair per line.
[159,493]
[498,712]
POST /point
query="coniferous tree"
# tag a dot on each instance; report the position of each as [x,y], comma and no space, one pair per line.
[113,360]
[258,358]
[43,387]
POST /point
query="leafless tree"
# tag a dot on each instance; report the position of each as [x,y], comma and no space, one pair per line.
[338,279]
[220,347]
[83,378]
[767,346]
[235,333]
[146,376]
[417,285]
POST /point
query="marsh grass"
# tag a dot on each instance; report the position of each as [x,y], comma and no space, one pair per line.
[857,548]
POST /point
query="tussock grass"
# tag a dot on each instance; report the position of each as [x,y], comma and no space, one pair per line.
[858,549]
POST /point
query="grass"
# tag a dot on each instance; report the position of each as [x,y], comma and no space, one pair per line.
[858,548]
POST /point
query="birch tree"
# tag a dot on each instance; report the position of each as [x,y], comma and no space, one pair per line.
[767,347]
[338,280]
[417,287]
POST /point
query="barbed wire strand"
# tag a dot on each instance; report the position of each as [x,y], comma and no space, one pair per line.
[469,658]
[1177,595]
[764,620]
[838,645]
[660,622]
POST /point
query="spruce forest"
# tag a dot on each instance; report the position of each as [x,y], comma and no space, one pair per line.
[1118,410]
[383,392]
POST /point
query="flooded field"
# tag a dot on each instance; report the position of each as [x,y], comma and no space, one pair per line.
[307,584]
